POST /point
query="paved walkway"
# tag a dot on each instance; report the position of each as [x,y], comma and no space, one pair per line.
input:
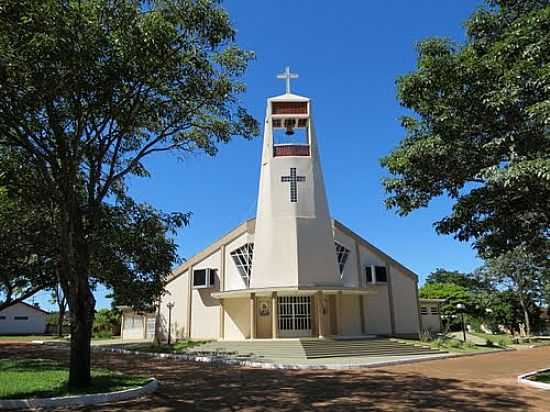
[484,383]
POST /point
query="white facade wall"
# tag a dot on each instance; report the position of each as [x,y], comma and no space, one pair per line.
[350,315]
[177,292]
[236,319]
[405,302]
[205,312]
[35,322]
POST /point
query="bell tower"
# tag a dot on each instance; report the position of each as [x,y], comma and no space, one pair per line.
[294,244]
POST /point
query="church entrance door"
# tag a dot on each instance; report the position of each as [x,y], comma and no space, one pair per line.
[294,314]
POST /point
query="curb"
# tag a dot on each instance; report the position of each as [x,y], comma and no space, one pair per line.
[222,360]
[81,400]
[522,379]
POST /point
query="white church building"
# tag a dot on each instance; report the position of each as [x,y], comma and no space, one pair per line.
[292,271]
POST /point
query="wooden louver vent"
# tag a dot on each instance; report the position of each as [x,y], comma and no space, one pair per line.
[289,108]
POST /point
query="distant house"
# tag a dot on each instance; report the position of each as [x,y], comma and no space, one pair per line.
[137,325]
[430,314]
[23,319]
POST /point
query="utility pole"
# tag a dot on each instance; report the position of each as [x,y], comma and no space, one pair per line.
[170,306]
[461,307]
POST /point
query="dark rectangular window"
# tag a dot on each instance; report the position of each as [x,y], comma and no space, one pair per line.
[21,317]
[369,274]
[213,277]
[199,277]
[2,318]
[381,275]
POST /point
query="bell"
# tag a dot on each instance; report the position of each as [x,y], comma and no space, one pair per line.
[289,126]
[289,130]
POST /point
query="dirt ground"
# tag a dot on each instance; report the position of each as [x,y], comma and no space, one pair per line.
[479,383]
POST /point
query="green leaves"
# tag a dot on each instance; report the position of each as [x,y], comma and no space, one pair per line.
[480,132]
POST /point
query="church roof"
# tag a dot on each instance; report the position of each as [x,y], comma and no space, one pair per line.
[249,226]
[289,97]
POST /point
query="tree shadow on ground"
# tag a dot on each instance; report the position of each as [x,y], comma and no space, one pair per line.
[201,387]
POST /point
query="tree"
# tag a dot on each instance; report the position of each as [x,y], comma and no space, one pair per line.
[58,297]
[507,311]
[479,130]
[453,295]
[519,272]
[88,90]
[26,255]
[464,280]
[105,321]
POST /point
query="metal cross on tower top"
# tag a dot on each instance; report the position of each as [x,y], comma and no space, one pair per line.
[287,76]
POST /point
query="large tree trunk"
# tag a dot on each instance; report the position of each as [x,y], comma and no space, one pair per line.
[74,274]
[525,316]
[60,320]
[82,311]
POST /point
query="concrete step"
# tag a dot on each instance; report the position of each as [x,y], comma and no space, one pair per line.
[314,348]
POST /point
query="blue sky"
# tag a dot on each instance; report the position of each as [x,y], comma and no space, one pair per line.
[348,55]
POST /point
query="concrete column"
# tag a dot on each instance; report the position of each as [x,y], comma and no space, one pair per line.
[222,319]
[390,298]
[362,308]
[338,313]
[252,315]
[320,317]
[274,316]
[222,288]
[190,301]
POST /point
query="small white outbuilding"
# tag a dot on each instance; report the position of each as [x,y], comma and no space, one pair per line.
[23,319]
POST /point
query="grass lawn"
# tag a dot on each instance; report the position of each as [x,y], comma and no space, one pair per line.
[499,339]
[40,378]
[450,345]
[27,338]
[180,346]
[543,377]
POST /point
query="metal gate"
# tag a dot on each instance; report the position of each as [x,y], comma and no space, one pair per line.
[294,314]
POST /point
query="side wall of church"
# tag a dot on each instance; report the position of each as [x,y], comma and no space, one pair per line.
[377,305]
[205,318]
[405,302]
[177,292]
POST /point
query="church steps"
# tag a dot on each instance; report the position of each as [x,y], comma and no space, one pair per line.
[315,349]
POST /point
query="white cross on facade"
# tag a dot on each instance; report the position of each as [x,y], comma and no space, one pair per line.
[287,76]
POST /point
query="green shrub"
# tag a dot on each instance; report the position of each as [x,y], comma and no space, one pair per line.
[426,336]
[455,344]
[468,345]
[489,343]
[503,341]
[103,334]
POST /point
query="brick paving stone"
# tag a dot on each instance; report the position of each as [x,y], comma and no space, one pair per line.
[485,383]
